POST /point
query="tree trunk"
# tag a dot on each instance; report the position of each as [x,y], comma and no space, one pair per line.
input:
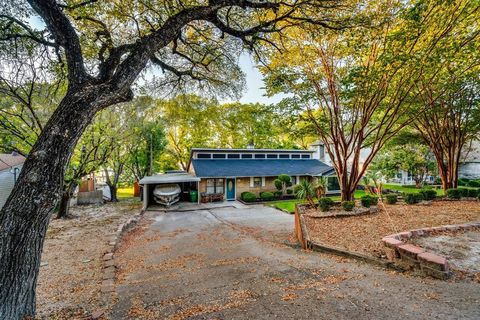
[113,193]
[25,216]
[64,206]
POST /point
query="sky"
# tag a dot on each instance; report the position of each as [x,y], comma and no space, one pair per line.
[255,87]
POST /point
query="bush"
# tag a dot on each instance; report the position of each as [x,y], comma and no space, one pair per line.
[464,192]
[462,182]
[428,194]
[348,205]
[278,184]
[368,201]
[248,196]
[412,198]
[325,203]
[391,198]
[474,184]
[267,196]
[454,193]
[289,191]
[277,194]
[473,193]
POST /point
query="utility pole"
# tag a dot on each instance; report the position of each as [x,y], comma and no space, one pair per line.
[151,153]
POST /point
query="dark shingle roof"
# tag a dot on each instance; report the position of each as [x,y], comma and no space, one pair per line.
[205,168]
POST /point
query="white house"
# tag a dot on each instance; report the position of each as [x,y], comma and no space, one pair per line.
[470,163]
[10,167]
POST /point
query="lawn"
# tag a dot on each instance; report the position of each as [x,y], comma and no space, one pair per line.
[364,233]
[124,193]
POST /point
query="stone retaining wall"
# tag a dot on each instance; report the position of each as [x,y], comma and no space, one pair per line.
[414,257]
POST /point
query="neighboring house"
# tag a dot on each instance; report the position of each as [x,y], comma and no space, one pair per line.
[230,172]
[469,167]
[10,167]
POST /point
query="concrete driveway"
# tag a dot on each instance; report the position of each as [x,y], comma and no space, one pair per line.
[236,263]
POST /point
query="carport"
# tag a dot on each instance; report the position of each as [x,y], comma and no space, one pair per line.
[186,181]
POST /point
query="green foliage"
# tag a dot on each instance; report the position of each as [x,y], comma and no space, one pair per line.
[325,203]
[391,198]
[248,197]
[428,194]
[289,191]
[463,182]
[348,205]
[368,200]
[454,193]
[267,196]
[473,193]
[412,198]
[474,184]
[278,184]
[304,190]
[464,192]
[277,194]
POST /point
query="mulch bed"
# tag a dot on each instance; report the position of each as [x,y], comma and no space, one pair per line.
[363,233]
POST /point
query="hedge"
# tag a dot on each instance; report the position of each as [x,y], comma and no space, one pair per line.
[267,196]
[412,198]
[348,205]
[368,201]
[428,194]
[248,196]
[325,203]
[391,198]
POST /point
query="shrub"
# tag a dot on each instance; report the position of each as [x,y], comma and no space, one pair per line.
[462,182]
[348,205]
[412,198]
[248,196]
[289,191]
[391,198]
[277,194]
[454,193]
[464,192]
[267,196]
[474,184]
[473,193]
[368,201]
[428,194]
[325,203]
[278,184]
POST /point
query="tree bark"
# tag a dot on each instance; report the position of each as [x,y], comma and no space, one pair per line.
[25,216]
[113,193]
[64,206]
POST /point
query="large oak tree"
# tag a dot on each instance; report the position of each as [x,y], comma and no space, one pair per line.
[103,47]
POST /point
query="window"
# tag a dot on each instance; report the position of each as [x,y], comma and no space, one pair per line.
[259,156]
[305,156]
[294,180]
[204,156]
[246,156]
[295,156]
[257,182]
[284,156]
[214,186]
[272,156]
[332,184]
[219,156]
[233,156]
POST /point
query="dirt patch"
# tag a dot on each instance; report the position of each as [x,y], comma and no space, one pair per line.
[71,270]
[364,233]
[461,249]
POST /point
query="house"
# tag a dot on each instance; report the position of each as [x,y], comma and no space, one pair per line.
[227,173]
[10,167]
[469,166]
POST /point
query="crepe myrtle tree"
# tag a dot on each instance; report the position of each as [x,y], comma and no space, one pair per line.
[103,48]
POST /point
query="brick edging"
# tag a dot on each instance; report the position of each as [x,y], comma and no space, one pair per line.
[109,266]
[415,257]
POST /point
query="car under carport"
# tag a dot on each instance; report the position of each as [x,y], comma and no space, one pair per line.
[186,181]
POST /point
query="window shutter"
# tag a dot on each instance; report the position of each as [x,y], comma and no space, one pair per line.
[263,181]
[251,182]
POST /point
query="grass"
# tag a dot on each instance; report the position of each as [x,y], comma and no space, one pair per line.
[124,193]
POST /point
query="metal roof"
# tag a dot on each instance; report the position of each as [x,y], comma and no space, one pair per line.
[206,168]
[252,150]
[169,178]
[8,161]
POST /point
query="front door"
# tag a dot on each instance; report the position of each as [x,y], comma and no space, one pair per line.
[230,189]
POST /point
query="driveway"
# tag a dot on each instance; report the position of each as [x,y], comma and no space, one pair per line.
[238,263]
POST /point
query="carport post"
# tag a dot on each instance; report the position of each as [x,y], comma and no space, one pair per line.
[198,192]
[145,196]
